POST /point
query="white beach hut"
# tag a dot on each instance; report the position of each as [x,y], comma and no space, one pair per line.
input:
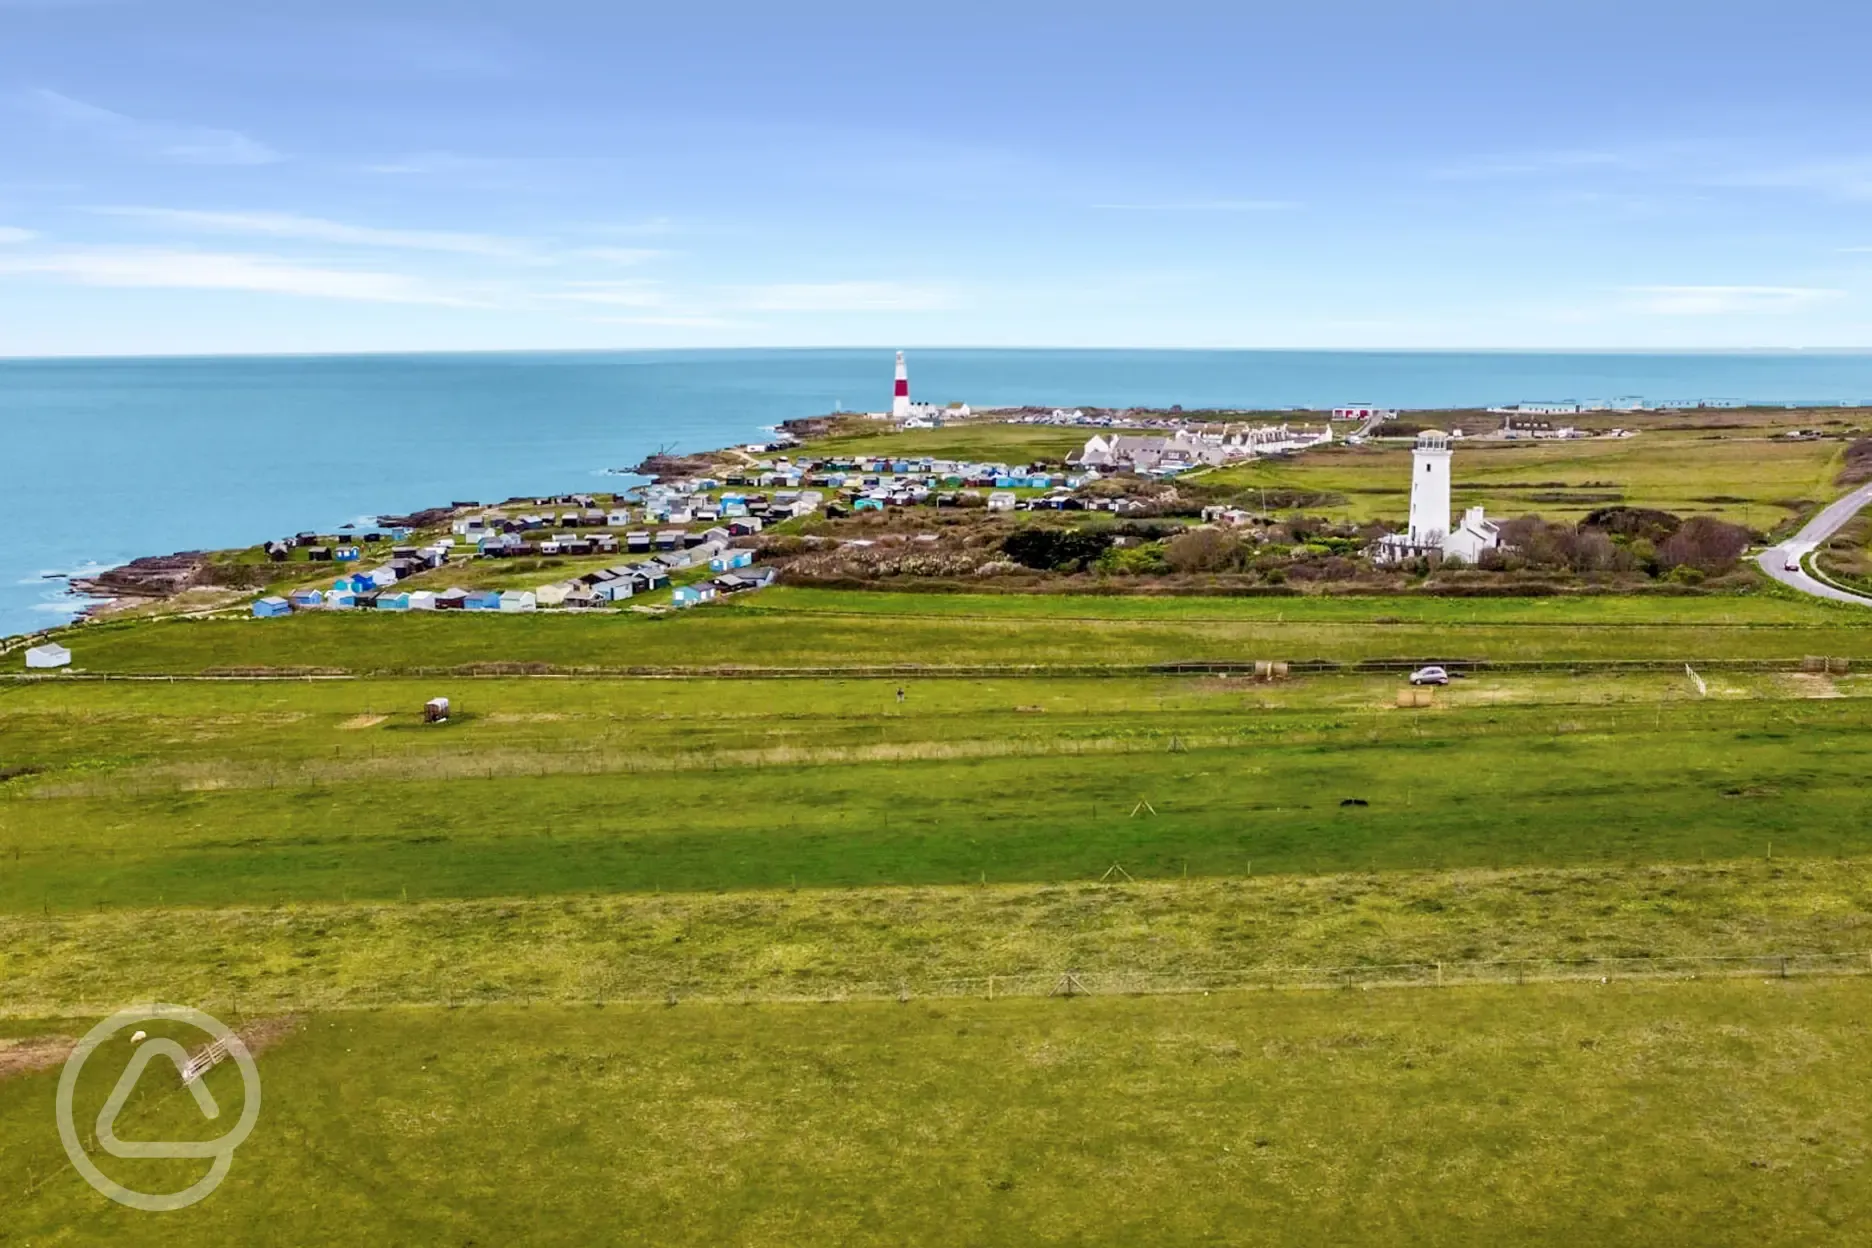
[49,655]
[551,595]
[422,600]
[518,600]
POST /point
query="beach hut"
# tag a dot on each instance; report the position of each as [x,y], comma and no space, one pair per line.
[617,519]
[730,560]
[637,541]
[551,595]
[451,599]
[693,595]
[518,600]
[482,600]
[382,578]
[393,600]
[340,599]
[345,554]
[744,579]
[422,600]
[51,654]
[581,596]
[267,608]
[615,590]
[306,599]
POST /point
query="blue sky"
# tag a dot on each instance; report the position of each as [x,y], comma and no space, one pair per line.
[183,176]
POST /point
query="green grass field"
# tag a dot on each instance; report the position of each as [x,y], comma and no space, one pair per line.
[978,441]
[1556,1113]
[219,794]
[1747,476]
[473,931]
[824,630]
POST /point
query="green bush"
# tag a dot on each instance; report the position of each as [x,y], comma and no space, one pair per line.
[1064,550]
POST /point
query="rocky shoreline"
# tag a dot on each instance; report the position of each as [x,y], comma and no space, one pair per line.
[152,576]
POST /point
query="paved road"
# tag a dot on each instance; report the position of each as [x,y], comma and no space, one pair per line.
[1775,559]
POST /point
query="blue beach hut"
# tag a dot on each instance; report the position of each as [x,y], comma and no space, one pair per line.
[267,608]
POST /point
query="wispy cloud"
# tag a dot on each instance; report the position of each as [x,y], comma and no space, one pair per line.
[153,140]
[1205,205]
[1540,163]
[616,294]
[319,229]
[842,297]
[1727,300]
[417,164]
[177,269]
[650,225]
[678,321]
[1700,165]
[1837,179]
[621,255]
[13,234]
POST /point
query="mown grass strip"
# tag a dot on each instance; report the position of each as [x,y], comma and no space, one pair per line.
[780,944]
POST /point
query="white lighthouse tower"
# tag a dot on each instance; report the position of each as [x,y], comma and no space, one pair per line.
[900,396]
[1430,489]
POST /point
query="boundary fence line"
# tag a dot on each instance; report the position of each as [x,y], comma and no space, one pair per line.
[1065,982]
[933,671]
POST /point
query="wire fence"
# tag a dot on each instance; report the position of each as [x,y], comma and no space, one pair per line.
[1251,668]
[596,984]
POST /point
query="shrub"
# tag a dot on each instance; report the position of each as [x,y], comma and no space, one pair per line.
[1203,550]
[1858,463]
[1634,522]
[1536,543]
[1146,559]
[1705,544]
[1064,550]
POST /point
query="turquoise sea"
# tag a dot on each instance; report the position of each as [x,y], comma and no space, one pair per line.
[107,459]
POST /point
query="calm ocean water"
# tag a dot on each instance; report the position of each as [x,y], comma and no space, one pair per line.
[109,459]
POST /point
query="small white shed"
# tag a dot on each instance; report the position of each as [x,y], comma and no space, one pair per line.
[49,655]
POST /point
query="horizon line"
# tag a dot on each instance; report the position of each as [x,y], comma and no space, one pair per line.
[406,352]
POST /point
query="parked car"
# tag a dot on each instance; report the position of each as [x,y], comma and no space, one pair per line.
[1429,676]
[1792,565]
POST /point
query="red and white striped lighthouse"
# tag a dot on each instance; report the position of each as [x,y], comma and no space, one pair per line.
[900,397]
